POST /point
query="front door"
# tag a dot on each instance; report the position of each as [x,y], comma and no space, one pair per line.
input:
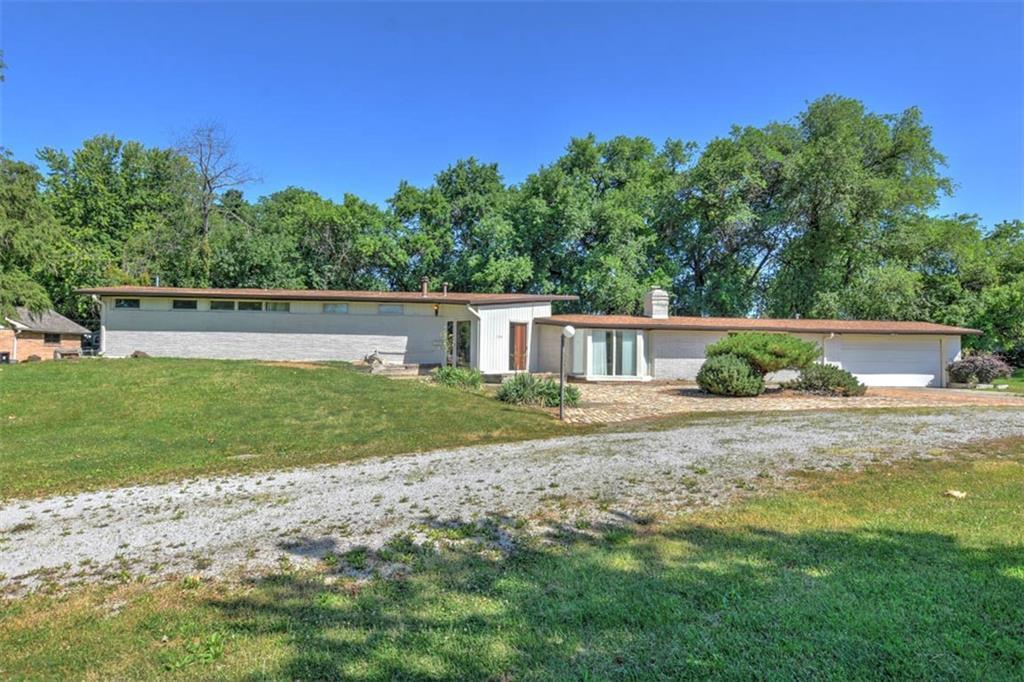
[517,350]
[458,336]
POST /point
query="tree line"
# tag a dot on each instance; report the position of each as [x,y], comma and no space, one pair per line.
[829,214]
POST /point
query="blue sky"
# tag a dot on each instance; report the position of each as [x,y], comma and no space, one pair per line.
[356,97]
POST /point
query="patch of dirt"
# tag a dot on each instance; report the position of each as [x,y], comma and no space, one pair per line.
[293,365]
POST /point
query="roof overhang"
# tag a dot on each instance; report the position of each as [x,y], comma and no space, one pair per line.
[451,298]
[744,324]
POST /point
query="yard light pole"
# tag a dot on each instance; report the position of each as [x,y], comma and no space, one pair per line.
[568,331]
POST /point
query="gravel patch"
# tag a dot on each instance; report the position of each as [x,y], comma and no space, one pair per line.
[224,525]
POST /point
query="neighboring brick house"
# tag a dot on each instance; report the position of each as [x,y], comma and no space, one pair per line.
[24,334]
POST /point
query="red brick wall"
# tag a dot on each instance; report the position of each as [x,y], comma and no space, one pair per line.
[32,343]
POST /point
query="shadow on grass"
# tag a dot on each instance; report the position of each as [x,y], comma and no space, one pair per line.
[639,602]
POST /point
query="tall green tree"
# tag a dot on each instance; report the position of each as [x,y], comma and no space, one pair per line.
[123,209]
[460,230]
[855,175]
[28,237]
[728,224]
[590,221]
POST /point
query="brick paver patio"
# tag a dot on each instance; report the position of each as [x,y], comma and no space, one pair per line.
[615,402]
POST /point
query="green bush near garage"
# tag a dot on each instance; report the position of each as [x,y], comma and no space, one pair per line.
[767,352]
[730,375]
[820,379]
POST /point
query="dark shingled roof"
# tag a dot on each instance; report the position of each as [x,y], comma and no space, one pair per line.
[48,322]
[328,295]
[755,324]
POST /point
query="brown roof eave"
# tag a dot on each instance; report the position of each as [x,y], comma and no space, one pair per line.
[452,298]
[599,323]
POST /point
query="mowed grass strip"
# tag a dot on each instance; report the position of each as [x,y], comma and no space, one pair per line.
[1015,382]
[876,575]
[67,426]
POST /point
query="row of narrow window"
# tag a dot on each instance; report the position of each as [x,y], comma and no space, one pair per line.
[264,306]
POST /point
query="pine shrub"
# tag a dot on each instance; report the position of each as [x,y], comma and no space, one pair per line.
[732,375]
[822,379]
[767,352]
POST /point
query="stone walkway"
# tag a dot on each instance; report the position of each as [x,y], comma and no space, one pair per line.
[616,402]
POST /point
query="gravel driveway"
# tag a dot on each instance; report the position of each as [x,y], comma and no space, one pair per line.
[223,525]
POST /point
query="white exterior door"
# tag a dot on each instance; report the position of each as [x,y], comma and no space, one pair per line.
[892,360]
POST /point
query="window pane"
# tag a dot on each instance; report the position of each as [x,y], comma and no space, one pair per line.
[339,308]
[132,303]
[599,353]
[222,305]
[184,305]
[465,336]
[389,309]
[610,358]
[627,353]
[51,338]
[250,305]
[279,306]
[578,342]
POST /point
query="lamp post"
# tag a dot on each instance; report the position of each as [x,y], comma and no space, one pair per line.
[568,331]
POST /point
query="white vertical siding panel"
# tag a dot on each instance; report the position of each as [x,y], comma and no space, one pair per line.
[494,340]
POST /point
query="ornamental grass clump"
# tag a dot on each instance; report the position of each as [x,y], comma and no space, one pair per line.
[527,389]
[978,368]
[458,377]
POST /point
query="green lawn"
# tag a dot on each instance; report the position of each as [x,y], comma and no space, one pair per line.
[73,426]
[1015,381]
[855,576]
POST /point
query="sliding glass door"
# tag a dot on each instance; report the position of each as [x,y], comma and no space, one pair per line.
[613,353]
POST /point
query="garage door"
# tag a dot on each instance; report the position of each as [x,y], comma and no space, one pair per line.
[892,360]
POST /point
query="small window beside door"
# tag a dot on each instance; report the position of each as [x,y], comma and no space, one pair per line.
[126,303]
[51,339]
[184,305]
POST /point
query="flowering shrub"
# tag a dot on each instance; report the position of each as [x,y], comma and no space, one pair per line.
[978,368]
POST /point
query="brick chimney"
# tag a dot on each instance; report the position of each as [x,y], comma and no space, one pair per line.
[424,285]
[656,303]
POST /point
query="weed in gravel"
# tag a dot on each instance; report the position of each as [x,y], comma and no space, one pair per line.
[357,558]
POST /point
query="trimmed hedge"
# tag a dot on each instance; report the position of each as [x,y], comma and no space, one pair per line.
[730,375]
[978,368]
[766,352]
[527,389]
[826,380]
[458,377]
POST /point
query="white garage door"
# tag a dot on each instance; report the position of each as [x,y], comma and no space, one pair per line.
[892,360]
